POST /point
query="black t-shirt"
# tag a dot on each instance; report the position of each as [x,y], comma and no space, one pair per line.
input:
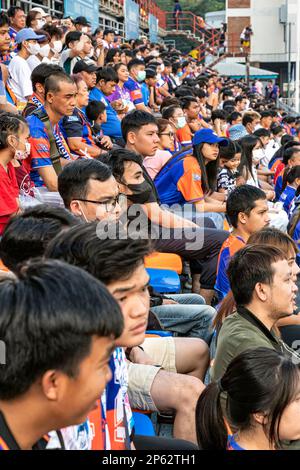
[8,442]
[154,197]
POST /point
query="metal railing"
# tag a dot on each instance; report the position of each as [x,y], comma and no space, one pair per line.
[55,7]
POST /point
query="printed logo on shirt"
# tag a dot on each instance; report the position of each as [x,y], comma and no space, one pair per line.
[42,148]
[73,119]
[196,177]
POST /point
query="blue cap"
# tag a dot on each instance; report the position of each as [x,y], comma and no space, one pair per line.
[208,136]
[27,34]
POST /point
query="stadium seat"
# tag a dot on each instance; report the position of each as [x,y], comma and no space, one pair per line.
[164,281]
[164,261]
[142,424]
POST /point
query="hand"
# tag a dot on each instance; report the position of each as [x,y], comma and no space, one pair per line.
[80,44]
[270,195]
[169,302]
[100,43]
[138,356]
[106,142]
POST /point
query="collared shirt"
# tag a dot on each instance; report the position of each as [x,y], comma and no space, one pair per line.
[77,125]
[8,441]
[135,91]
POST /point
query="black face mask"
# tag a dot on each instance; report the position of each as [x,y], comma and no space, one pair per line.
[141,192]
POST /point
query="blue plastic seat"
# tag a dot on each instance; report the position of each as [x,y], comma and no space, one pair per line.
[161,333]
[143,425]
[164,281]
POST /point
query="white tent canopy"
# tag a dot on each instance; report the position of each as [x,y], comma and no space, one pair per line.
[236,70]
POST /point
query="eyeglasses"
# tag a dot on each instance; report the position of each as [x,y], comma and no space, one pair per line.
[171,135]
[109,205]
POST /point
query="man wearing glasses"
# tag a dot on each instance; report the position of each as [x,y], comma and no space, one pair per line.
[89,190]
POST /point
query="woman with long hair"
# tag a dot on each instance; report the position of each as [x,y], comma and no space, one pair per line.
[262,388]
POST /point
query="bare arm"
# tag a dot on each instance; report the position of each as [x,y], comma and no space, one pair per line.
[165,218]
[49,177]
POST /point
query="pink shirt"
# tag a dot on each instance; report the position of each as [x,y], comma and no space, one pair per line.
[154,164]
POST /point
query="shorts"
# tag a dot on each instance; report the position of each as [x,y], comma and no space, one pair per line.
[141,377]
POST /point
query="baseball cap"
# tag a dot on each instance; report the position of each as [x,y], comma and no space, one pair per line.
[27,34]
[82,66]
[237,132]
[82,20]
[41,11]
[208,136]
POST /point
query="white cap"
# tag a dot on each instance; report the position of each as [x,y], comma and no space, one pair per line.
[41,11]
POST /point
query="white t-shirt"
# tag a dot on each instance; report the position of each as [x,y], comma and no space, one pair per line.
[33,61]
[19,78]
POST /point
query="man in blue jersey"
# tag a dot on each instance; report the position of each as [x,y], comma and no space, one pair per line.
[137,76]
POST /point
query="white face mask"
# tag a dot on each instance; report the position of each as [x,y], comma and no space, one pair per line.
[84,29]
[44,50]
[181,122]
[162,67]
[23,154]
[57,46]
[40,24]
[257,155]
[33,49]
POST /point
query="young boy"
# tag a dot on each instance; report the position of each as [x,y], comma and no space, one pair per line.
[230,159]
[97,115]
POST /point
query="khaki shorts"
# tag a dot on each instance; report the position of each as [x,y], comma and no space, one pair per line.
[141,377]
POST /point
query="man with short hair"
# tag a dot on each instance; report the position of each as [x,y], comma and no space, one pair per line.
[89,190]
[88,72]
[58,324]
[240,104]
[107,80]
[5,40]
[266,119]
[38,78]
[108,38]
[250,121]
[17,20]
[247,211]
[60,95]
[191,109]
[19,81]
[137,75]
[79,46]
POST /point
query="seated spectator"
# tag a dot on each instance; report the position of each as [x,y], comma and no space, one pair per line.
[192,180]
[19,81]
[42,56]
[5,40]
[38,78]
[266,120]
[14,135]
[76,128]
[250,121]
[234,118]
[121,92]
[240,104]
[137,75]
[96,114]
[175,115]
[230,160]
[247,211]
[191,111]
[166,146]
[89,190]
[112,58]
[218,118]
[107,80]
[149,90]
[78,47]
[17,21]
[237,132]
[292,180]
[290,159]
[255,382]
[56,44]
[58,357]
[88,73]
[44,166]
[82,25]
[119,264]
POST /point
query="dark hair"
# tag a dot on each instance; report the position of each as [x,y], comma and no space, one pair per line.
[118,66]
[42,72]
[169,112]
[186,102]
[262,133]
[53,30]
[47,320]
[265,114]
[208,172]
[242,199]
[107,74]
[248,118]
[3,19]
[256,381]
[115,160]
[273,237]
[218,114]
[11,12]
[292,174]
[31,15]
[249,266]
[239,99]
[72,36]
[248,143]
[106,259]
[111,54]
[27,235]
[135,120]
[135,63]
[94,109]
[233,117]
[52,83]
[10,124]
[290,152]
[229,151]
[73,181]
[162,125]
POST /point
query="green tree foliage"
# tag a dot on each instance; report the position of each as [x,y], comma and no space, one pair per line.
[198,7]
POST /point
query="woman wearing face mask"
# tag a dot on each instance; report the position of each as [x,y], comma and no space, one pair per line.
[19,81]
[175,115]
[14,133]
[44,51]
[56,44]
[35,20]
[166,145]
